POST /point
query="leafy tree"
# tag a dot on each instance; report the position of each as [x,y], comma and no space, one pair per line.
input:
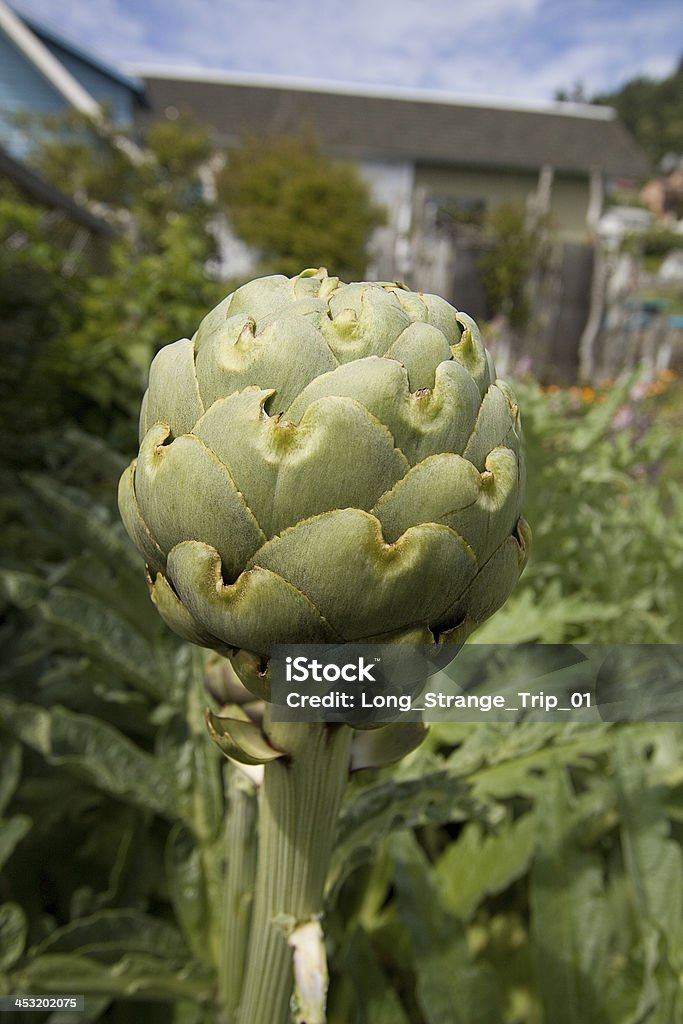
[298,207]
[146,179]
[129,313]
[652,111]
[39,304]
[77,346]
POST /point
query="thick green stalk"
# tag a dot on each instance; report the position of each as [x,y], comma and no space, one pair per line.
[240,849]
[298,811]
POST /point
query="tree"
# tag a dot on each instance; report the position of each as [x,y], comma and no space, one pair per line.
[652,111]
[298,207]
[77,348]
[138,184]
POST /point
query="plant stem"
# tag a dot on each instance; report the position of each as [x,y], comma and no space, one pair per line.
[298,811]
[240,848]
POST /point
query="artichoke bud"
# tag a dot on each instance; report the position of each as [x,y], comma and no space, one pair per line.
[323,463]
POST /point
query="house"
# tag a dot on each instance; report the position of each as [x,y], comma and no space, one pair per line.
[42,75]
[432,159]
[438,163]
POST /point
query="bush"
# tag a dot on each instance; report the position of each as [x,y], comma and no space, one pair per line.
[298,208]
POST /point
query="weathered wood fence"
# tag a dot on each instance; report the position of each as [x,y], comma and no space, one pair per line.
[587,322]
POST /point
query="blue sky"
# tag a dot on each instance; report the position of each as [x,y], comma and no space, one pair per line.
[513,49]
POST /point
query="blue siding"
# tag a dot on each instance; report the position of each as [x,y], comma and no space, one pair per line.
[22,90]
[108,91]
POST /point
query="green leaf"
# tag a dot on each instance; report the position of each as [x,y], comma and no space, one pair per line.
[89,521]
[22,589]
[654,866]
[187,888]
[362,982]
[479,865]
[94,1008]
[375,748]
[192,1013]
[519,756]
[10,770]
[93,750]
[12,831]
[382,808]
[569,913]
[240,738]
[195,856]
[653,859]
[13,929]
[450,987]
[135,976]
[89,626]
[110,934]
[187,755]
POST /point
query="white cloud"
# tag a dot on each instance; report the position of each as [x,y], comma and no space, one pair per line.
[102,26]
[521,49]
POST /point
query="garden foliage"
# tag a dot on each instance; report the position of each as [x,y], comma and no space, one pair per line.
[527,874]
[520,874]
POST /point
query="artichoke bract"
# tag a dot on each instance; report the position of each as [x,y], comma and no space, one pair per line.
[326,462]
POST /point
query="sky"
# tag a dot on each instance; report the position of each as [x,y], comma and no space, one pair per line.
[510,49]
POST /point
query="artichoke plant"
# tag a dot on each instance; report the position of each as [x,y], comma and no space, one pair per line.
[321,463]
[327,462]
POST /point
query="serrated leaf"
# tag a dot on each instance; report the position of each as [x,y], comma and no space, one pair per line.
[654,866]
[569,912]
[188,888]
[375,1000]
[13,929]
[86,520]
[94,750]
[380,809]
[110,934]
[185,750]
[522,755]
[144,976]
[10,770]
[478,865]
[450,986]
[90,627]
[653,859]
[12,831]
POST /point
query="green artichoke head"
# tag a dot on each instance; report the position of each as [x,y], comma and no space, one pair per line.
[323,463]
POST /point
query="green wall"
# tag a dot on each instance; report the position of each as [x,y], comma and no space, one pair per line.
[569,199]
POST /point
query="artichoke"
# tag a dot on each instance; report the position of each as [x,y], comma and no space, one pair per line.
[327,462]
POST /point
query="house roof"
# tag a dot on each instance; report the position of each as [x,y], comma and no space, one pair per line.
[35,51]
[47,35]
[426,128]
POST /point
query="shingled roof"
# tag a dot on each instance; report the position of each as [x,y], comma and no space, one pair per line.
[426,129]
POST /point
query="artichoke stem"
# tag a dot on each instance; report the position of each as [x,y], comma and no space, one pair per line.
[298,811]
[240,829]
